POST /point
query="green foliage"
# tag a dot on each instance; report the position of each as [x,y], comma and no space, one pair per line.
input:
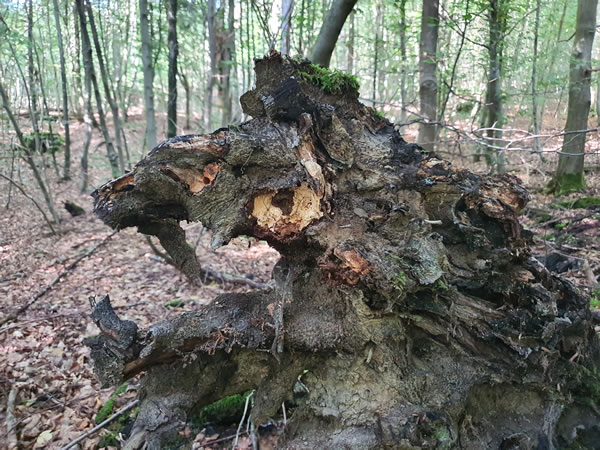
[109,439]
[329,81]
[595,299]
[50,142]
[224,411]
[174,304]
[581,203]
[105,412]
[566,183]
[107,409]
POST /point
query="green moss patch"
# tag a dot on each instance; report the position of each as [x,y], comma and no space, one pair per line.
[581,203]
[226,411]
[329,81]
[565,184]
[50,142]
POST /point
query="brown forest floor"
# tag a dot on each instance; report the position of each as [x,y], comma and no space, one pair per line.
[42,354]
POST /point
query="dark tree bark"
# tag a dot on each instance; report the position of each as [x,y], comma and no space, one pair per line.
[148,76]
[330,31]
[406,288]
[428,73]
[569,173]
[90,73]
[107,88]
[172,77]
[65,95]
[497,17]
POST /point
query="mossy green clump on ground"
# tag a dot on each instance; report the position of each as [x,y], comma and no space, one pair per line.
[566,183]
[581,203]
[50,142]
[107,409]
[105,412]
[174,304]
[224,411]
[109,439]
[329,81]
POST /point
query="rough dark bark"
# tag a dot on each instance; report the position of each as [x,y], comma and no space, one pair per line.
[497,17]
[330,31]
[406,288]
[65,95]
[173,53]
[428,73]
[148,76]
[569,173]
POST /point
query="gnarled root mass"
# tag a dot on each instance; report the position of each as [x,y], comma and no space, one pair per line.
[405,287]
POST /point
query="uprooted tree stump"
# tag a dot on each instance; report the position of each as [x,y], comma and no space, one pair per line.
[405,287]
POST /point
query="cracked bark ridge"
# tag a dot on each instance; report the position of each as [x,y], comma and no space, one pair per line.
[405,287]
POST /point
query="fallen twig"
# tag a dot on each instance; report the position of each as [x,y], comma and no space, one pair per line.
[208,274]
[61,275]
[11,420]
[37,205]
[101,424]
[237,433]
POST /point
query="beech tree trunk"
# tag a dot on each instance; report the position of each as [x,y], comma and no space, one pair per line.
[65,95]
[428,73]
[148,76]
[330,31]
[569,173]
[406,295]
[173,52]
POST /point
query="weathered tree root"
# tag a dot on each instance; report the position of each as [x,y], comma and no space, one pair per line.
[405,288]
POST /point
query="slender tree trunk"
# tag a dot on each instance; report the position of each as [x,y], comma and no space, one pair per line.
[403,61]
[65,96]
[227,65]
[378,25]
[330,30]
[569,173]
[428,73]
[173,52]
[287,6]
[148,76]
[212,49]
[534,103]
[350,45]
[29,157]
[188,94]
[493,101]
[76,65]
[107,87]
[32,78]
[88,64]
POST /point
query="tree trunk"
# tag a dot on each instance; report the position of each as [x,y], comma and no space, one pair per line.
[493,98]
[107,87]
[350,45]
[406,296]
[569,173]
[211,13]
[287,6]
[88,64]
[148,76]
[227,65]
[65,95]
[428,73]
[403,63]
[330,30]
[173,52]
[534,80]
